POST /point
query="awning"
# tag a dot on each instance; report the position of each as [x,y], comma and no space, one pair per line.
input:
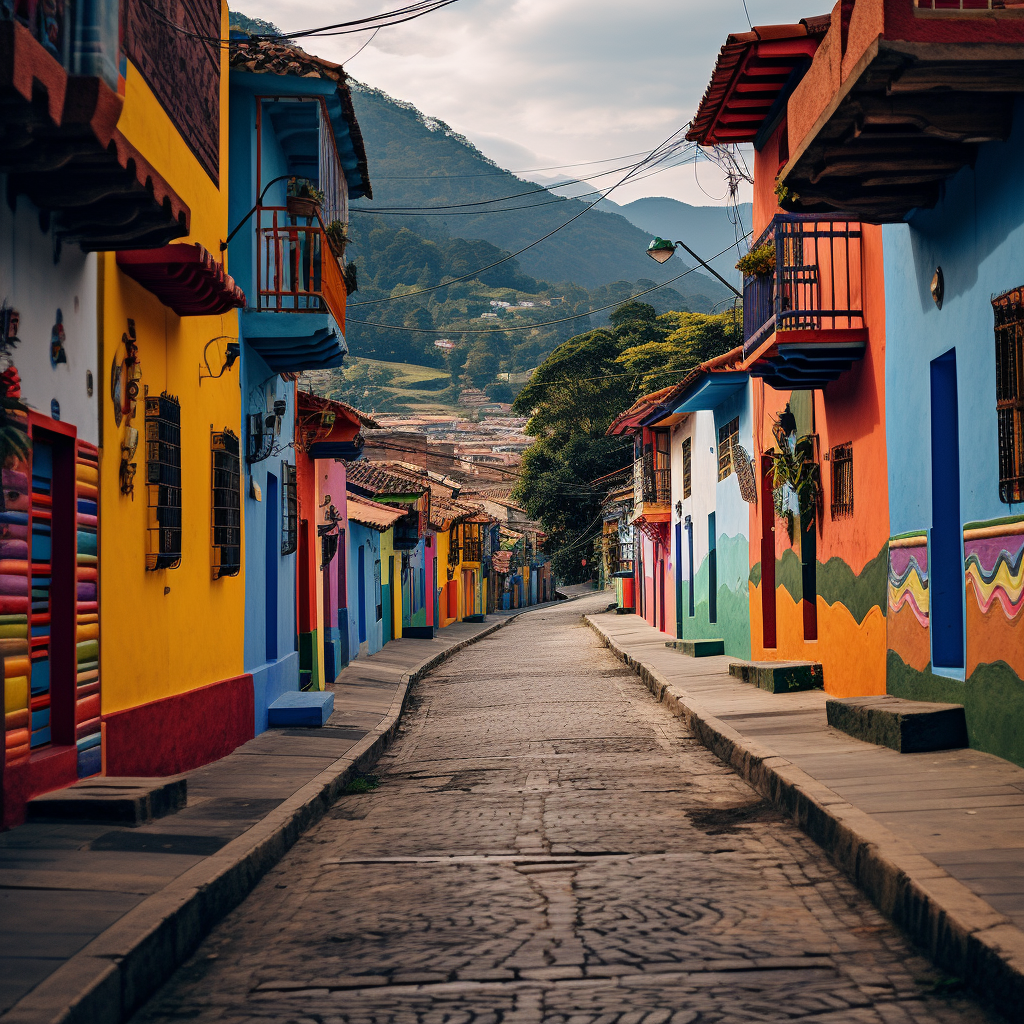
[184,277]
[68,157]
[712,391]
[370,513]
[318,351]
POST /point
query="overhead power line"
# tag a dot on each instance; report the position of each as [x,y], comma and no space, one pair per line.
[522,327]
[657,155]
[491,174]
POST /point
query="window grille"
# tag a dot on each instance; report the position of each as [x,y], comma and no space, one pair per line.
[1009,326]
[687,466]
[226,510]
[289,510]
[453,546]
[842,481]
[727,436]
[163,480]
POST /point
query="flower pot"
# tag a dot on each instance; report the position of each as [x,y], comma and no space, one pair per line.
[302,206]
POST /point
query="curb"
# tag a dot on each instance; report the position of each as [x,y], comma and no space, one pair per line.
[111,977]
[958,929]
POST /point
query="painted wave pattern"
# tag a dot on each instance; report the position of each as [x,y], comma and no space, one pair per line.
[908,581]
[995,568]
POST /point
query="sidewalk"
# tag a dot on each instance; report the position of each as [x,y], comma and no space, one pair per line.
[935,839]
[94,917]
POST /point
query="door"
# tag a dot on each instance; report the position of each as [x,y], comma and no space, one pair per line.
[661,592]
[945,554]
[361,586]
[767,553]
[712,568]
[679,581]
[271,555]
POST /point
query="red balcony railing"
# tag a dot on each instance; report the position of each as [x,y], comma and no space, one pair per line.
[815,284]
[296,269]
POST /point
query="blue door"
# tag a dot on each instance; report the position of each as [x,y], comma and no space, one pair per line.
[362,594]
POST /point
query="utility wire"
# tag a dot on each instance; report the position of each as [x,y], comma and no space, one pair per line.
[491,174]
[523,327]
[659,153]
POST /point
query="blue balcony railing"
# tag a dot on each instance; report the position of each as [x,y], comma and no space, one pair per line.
[816,284]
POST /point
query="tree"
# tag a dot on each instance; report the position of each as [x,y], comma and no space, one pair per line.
[481,365]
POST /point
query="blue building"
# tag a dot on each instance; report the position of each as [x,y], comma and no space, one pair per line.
[296,158]
[953,212]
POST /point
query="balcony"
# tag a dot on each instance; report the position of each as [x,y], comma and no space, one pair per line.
[924,83]
[471,549]
[61,148]
[297,273]
[803,323]
[652,496]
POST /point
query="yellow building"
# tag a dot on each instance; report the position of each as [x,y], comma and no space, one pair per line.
[171,531]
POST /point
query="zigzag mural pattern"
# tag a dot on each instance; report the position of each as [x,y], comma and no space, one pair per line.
[908,580]
[995,567]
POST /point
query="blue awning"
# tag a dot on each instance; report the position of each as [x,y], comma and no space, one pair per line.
[317,351]
[713,390]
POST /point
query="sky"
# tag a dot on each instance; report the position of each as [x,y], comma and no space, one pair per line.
[535,83]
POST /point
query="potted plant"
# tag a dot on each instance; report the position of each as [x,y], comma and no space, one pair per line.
[304,199]
[337,237]
[759,262]
[794,470]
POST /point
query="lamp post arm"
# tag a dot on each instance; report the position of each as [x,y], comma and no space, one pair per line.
[731,288]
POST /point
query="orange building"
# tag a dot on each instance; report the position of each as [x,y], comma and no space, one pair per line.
[814,345]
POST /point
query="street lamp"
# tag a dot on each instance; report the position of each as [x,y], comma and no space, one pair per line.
[661,250]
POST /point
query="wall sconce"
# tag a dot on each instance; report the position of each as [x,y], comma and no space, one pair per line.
[231,353]
[679,509]
[937,287]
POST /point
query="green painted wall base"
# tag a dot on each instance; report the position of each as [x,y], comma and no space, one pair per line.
[697,648]
[909,726]
[993,700]
[779,676]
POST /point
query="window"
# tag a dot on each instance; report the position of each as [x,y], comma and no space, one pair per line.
[727,437]
[687,466]
[163,480]
[1009,315]
[226,512]
[842,481]
[453,546]
[289,510]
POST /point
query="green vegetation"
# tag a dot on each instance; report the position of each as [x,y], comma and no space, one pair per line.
[574,396]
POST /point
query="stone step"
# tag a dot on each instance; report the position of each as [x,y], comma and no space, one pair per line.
[779,676]
[418,632]
[478,617]
[909,726]
[697,648]
[310,708]
[121,801]
[624,611]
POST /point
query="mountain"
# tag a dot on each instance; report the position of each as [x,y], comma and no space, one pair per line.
[418,162]
[707,230]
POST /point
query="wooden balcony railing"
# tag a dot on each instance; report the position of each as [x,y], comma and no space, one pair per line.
[652,483]
[295,268]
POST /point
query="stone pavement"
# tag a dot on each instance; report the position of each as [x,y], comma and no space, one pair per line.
[545,843]
[936,838]
[62,886]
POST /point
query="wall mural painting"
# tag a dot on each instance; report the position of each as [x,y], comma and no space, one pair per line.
[994,576]
[181,66]
[908,600]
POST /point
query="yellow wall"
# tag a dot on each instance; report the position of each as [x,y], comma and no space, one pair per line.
[442,580]
[168,631]
[387,551]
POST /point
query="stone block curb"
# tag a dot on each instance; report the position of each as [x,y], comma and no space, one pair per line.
[111,977]
[959,930]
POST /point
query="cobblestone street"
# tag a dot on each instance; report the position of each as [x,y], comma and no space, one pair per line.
[547,843]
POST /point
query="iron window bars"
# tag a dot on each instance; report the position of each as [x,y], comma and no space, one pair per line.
[727,437]
[1009,329]
[841,458]
[289,509]
[687,466]
[226,511]
[163,482]
[454,554]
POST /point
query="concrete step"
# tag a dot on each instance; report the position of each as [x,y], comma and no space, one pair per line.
[624,611]
[697,648]
[418,632]
[479,617]
[779,676]
[122,801]
[909,726]
[310,708]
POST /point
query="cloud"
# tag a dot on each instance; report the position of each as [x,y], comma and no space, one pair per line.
[537,82]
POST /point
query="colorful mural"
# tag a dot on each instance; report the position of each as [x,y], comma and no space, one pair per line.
[994,581]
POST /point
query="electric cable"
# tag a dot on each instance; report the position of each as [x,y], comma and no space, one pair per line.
[524,327]
[491,174]
[655,153]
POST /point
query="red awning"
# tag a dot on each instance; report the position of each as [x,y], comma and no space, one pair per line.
[185,277]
